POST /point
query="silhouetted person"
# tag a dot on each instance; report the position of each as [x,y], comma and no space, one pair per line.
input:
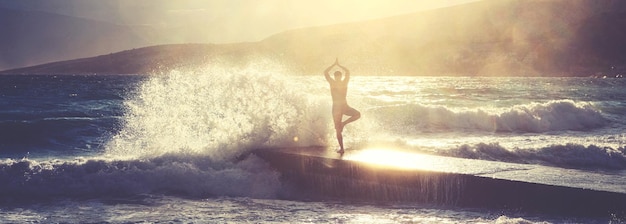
[339,90]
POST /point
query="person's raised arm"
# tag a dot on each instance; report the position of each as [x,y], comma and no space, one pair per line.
[326,75]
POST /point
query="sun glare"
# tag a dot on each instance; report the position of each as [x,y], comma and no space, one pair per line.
[396,159]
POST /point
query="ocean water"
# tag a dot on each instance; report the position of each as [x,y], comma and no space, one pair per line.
[166,147]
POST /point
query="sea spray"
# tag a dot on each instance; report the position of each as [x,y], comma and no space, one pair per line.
[219,112]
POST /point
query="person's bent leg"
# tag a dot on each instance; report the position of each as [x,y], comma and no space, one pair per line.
[354,115]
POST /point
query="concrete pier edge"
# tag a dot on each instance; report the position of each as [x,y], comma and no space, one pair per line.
[334,178]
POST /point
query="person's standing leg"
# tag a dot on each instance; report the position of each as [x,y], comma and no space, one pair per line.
[337,117]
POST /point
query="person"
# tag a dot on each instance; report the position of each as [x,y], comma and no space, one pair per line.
[338,91]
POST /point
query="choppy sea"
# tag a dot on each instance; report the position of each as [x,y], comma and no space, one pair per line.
[163,147]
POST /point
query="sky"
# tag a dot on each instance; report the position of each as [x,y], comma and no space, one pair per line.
[231,20]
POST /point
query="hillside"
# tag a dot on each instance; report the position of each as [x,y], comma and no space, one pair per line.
[507,37]
[146,60]
[490,38]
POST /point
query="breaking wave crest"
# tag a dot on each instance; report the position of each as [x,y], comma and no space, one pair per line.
[560,115]
[175,174]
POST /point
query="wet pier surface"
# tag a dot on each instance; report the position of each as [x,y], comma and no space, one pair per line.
[388,175]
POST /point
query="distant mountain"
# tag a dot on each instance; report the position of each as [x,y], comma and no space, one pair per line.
[147,60]
[30,38]
[497,37]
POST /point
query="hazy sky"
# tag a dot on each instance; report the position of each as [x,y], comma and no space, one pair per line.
[231,20]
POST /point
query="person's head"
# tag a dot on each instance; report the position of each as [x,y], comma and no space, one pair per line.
[337,75]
